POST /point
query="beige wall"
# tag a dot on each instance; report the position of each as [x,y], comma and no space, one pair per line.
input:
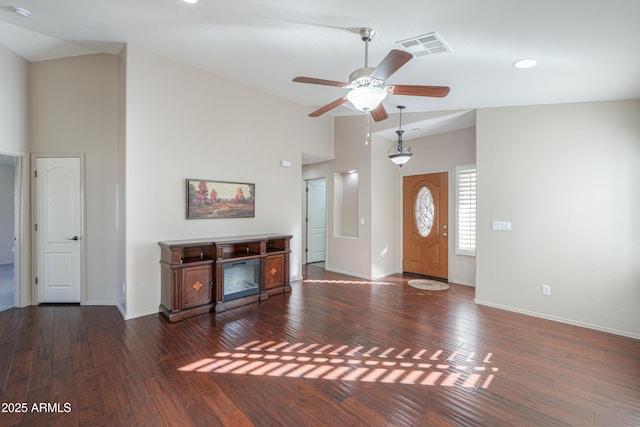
[13,142]
[73,109]
[568,178]
[385,222]
[351,255]
[187,123]
[13,103]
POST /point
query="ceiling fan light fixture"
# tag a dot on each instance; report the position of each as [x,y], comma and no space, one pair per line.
[366,98]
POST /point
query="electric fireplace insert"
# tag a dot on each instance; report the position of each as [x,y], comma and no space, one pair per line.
[241,279]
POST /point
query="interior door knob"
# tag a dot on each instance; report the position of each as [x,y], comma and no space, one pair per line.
[73,238]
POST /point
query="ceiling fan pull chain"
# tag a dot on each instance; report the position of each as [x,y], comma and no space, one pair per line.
[368,134]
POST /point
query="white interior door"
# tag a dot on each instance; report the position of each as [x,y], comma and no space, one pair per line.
[59,227]
[316,219]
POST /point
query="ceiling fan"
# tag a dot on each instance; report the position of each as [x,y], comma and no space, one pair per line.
[367,84]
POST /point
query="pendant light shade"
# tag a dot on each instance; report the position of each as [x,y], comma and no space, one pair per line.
[400,153]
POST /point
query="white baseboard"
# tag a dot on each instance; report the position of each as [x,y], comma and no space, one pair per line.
[462,282]
[121,310]
[628,334]
[129,316]
[94,302]
[348,273]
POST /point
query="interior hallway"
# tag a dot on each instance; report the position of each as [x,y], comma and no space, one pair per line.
[6,286]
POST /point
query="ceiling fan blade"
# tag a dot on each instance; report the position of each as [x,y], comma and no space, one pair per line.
[328,107]
[390,64]
[432,91]
[319,81]
[379,113]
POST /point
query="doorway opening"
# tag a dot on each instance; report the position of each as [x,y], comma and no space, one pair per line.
[8,213]
[315,221]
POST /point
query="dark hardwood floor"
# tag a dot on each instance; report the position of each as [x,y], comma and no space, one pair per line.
[337,351]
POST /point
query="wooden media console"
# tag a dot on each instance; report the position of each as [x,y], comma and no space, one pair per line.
[214,274]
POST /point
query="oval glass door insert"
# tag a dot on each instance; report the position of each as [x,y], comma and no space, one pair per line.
[425,210]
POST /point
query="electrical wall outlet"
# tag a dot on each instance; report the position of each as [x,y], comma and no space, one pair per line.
[546,290]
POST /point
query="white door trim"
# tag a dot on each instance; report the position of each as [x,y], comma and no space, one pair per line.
[21,297]
[34,216]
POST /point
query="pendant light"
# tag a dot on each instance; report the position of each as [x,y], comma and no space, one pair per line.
[400,153]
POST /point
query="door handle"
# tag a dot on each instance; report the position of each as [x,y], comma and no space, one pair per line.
[73,238]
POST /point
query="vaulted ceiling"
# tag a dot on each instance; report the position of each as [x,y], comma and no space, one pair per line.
[586,50]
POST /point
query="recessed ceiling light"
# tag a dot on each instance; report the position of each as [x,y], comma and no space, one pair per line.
[190,1]
[525,63]
[20,11]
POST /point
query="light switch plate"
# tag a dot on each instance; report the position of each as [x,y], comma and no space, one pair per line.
[501,225]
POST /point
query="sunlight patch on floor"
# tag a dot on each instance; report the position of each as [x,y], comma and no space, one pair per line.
[342,363]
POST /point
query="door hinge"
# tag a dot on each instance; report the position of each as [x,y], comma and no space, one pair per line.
[35,173]
[36,280]
[36,225]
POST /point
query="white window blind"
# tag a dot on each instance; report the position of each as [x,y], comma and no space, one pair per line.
[466,210]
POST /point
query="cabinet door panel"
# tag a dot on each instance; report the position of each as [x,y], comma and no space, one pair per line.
[196,289]
[274,276]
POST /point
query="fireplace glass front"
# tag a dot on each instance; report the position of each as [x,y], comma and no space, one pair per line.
[241,279]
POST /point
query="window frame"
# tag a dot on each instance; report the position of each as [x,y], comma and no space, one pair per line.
[470,235]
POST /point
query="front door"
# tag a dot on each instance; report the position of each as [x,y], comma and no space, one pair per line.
[58,229]
[425,232]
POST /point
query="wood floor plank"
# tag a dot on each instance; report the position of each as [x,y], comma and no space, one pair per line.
[142,405]
[167,402]
[337,350]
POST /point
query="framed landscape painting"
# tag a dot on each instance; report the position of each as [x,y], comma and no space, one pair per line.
[220,199]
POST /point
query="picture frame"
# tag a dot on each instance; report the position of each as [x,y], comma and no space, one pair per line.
[208,199]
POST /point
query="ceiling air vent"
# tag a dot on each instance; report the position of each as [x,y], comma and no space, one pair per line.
[425,45]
